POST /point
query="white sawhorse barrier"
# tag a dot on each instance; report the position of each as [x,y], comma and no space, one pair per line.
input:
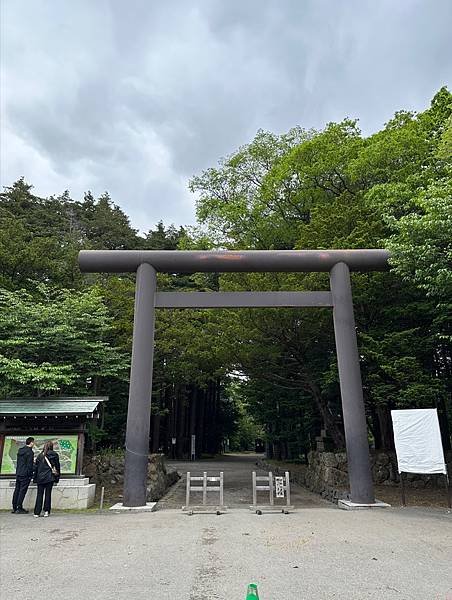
[278,487]
[205,488]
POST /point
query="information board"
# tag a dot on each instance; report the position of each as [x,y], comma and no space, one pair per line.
[65,445]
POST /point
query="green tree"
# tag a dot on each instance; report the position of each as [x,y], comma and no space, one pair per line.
[54,341]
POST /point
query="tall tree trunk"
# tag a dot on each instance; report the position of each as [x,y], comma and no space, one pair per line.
[217,395]
[180,423]
[211,419]
[385,425]
[156,433]
[332,428]
[375,427]
[193,414]
[444,424]
[200,422]
[172,428]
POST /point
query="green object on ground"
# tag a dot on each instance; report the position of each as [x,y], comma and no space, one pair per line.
[252,594]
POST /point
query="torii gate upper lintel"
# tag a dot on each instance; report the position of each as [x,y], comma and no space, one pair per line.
[147,263]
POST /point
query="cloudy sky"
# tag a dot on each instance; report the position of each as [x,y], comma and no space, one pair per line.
[135,97]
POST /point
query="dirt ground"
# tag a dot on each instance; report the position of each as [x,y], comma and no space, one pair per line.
[430,497]
[426,497]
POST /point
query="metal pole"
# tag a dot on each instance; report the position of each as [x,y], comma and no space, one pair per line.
[187,491]
[287,488]
[402,488]
[102,492]
[139,409]
[204,488]
[449,499]
[359,472]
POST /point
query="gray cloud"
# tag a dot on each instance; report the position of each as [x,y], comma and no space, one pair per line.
[136,97]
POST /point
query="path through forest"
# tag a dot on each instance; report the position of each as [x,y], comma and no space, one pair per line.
[237,469]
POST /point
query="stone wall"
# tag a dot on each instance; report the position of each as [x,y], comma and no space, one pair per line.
[74,493]
[326,473]
[107,468]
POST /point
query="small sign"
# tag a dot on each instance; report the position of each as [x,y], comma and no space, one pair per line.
[173,441]
[279,486]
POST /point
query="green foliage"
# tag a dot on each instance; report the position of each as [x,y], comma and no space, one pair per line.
[246,430]
[445,146]
[54,341]
[421,245]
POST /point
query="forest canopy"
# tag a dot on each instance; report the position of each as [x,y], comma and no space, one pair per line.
[247,374]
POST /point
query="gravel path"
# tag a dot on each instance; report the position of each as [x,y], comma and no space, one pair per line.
[237,469]
[315,553]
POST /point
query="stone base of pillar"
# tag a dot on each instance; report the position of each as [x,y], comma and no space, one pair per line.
[150,507]
[349,505]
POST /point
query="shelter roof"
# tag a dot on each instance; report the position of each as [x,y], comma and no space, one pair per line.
[64,405]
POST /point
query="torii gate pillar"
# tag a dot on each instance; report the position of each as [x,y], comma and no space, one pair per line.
[353,411]
[140,390]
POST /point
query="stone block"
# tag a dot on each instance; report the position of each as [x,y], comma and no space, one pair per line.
[341,460]
[90,469]
[67,494]
[349,505]
[380,473]
[119,507]
[329,459]
[340,478]
[381,458]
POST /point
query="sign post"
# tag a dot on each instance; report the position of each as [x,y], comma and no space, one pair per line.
[173,448]
[193,448]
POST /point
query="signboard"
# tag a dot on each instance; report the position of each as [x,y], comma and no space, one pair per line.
[279,487]
[193,447]
[65,445]
[417,439]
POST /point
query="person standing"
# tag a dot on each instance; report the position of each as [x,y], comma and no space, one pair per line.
[46,473]
[24,473]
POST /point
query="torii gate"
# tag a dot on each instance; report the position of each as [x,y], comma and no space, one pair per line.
[147,263]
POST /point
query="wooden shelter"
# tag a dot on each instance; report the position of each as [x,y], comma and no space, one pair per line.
[64,420]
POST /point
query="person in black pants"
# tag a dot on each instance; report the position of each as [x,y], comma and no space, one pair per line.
[46,473]
[24,473]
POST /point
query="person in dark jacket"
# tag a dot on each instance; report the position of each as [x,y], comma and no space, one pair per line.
[46,473]
[24,473]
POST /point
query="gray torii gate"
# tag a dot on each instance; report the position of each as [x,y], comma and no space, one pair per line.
[147,263]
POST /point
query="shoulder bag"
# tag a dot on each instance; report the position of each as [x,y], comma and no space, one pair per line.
[52,468]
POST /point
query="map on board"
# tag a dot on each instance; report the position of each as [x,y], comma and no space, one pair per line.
[65,445]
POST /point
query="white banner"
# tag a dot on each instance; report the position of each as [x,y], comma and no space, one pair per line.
[417,440]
